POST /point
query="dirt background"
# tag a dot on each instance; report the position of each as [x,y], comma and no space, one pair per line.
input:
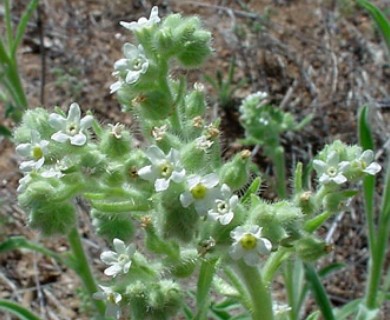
[320,57]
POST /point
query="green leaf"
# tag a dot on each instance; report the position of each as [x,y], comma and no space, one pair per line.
[364,130]
[19,242]
[253,189]
[4,131]
[23,24]
[17,310]
[319,292]
[348,309]
[380,19]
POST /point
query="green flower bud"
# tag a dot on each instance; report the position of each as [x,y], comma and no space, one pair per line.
[38,193]
[154,104]
[33,119]
[176,222]
[111,226]
[54,219]
[116,142]
[185,266]
[311,249]
[137,295]
[235,173]
[306,201]
[334,202]
[165,300]
[93,163]
[195,102]
[194,156]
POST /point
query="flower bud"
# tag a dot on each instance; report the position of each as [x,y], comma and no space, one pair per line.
[311,249]
[116,142]
[33,119]
[235,173]
[306,201]
[111,226]
[154,104]
[137,294]
[195,103]
[186,264]
[54,219]
[177,222]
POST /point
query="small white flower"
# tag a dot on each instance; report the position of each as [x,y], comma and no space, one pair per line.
[118,260]
[332,170]
[257,96]
[248,244]
[53,172]
[224,205]
[280,309]
[164,168]
[71,128]
[129,69]
[202,192]
[202,143]
[35,151]
[112,300]
[142,22]
[365,163]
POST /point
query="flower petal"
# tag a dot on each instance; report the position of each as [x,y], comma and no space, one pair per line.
[74,113]
[226,218]
[161,184]
[24,149]
[148,173]
[373,168]
[78,140]
[210,180]
[60,137]
[57,121]
[119,246]
[178,176]
[114,270]
[186,199]
[86,122]
[155,154]
[109,257]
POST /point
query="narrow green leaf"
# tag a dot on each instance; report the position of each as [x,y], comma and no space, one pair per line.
[364,129]
[5,132]
[380,19]
[348,309]
[17,310]
[23,24]
[253,189]
[319,292]
[298,178]
[19,242]
[8,23]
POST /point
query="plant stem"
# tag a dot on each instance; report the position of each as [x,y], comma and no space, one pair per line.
[83,269]
[260,296]
[273,264]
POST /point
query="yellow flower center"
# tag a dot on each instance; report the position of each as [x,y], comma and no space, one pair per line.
[72,129]
[332,171]
[248,241]
[37,153]
[166,170]
[123,257]
[199,191]
[111,298]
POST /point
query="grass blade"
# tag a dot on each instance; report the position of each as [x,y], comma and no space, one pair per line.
[17,310]
[23,24]
[379,18]
[319,292]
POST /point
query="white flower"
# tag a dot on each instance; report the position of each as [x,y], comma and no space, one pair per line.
[142,22]
[224,205]
[365,163]
[257,96]
[129,69]
[332,170]
[118,260]
[71,128]
[112,300]
[249,244]
[202,192]
[35,151]
[164,168]
[53,172]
